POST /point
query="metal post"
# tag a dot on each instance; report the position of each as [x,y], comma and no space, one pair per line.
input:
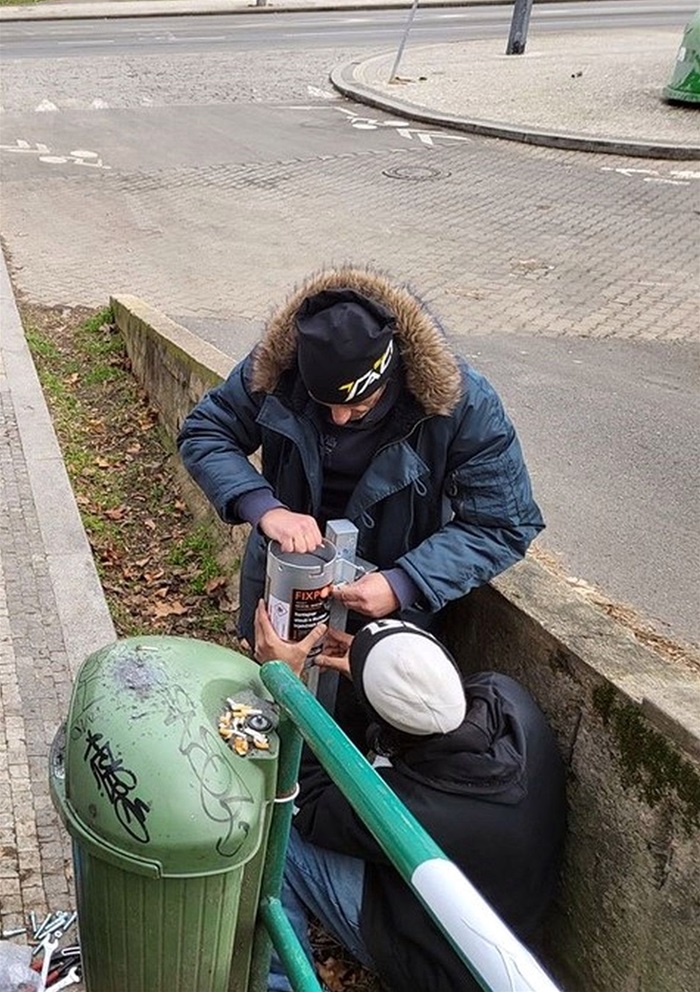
[409,22]
[518,27]
[272,919]
[342,534]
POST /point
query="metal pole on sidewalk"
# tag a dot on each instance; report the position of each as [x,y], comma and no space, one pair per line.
[409,22]
[518,27]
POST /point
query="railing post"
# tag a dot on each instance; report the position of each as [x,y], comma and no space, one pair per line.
[272,918]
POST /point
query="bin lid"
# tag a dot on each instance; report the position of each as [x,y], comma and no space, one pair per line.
[150,783]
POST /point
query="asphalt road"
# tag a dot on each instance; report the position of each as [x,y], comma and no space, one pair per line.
[311,30]
[206,173]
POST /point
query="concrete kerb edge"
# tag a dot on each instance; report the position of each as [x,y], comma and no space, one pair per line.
[209,361]
[668,694]
[342,78]
[83,614]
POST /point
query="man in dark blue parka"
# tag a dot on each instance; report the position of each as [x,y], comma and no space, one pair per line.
[360,410]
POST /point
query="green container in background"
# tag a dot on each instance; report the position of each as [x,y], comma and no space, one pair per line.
[684,85]
[168,823]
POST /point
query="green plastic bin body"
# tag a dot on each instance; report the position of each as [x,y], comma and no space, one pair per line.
[684,85]
[168,823]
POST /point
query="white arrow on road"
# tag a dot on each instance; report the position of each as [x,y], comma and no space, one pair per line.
[25,148]
[426,137]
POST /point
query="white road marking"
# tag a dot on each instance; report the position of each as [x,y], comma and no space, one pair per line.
[95,41]
[324,94]
[682,177]
[46,107]
[80,156]
[368,123]
[426,137]
[624,171]
[373,124]
[422,136]
[669,182]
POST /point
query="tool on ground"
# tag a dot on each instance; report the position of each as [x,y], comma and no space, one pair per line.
[49,944]
[71,978]
[57,923]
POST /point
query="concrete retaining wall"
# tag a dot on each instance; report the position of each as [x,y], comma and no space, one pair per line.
[628,722]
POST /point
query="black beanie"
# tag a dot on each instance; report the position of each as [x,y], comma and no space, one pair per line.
[345,346]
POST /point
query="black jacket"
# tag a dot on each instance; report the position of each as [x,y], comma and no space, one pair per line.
[491,795]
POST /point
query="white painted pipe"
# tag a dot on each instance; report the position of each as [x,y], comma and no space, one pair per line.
[499,958]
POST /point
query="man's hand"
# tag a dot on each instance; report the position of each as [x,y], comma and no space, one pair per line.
[293,531]
[371,595]
[270,647]
[336,652]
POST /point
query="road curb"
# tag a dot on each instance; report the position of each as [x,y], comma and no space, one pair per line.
[342,78]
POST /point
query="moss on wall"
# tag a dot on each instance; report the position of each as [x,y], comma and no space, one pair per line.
[650,764]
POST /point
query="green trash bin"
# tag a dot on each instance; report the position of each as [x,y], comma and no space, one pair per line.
[168,822]
[684,84]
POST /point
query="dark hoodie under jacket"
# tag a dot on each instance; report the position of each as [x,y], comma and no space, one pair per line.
[491,795]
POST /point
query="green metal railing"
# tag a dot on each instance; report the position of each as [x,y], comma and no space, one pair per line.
[487,947]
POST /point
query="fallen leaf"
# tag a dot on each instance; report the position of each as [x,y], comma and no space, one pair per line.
[332,972]
[218,582]
[117,513]
[171,609]
[152,577]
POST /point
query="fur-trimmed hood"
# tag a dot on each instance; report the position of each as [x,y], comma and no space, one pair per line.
[431,370]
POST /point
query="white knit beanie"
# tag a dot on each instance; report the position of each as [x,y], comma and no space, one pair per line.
[408,678]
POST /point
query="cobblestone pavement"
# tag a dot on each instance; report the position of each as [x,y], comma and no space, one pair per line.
[52,614]
[498,236]
[35,684]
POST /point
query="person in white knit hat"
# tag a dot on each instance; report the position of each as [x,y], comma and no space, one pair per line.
[475,762]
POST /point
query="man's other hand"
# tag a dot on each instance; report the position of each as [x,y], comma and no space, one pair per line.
[270,647]
[371,595]
[293,531]
[335,654]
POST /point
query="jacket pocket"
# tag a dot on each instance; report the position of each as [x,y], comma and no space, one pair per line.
[493,494]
